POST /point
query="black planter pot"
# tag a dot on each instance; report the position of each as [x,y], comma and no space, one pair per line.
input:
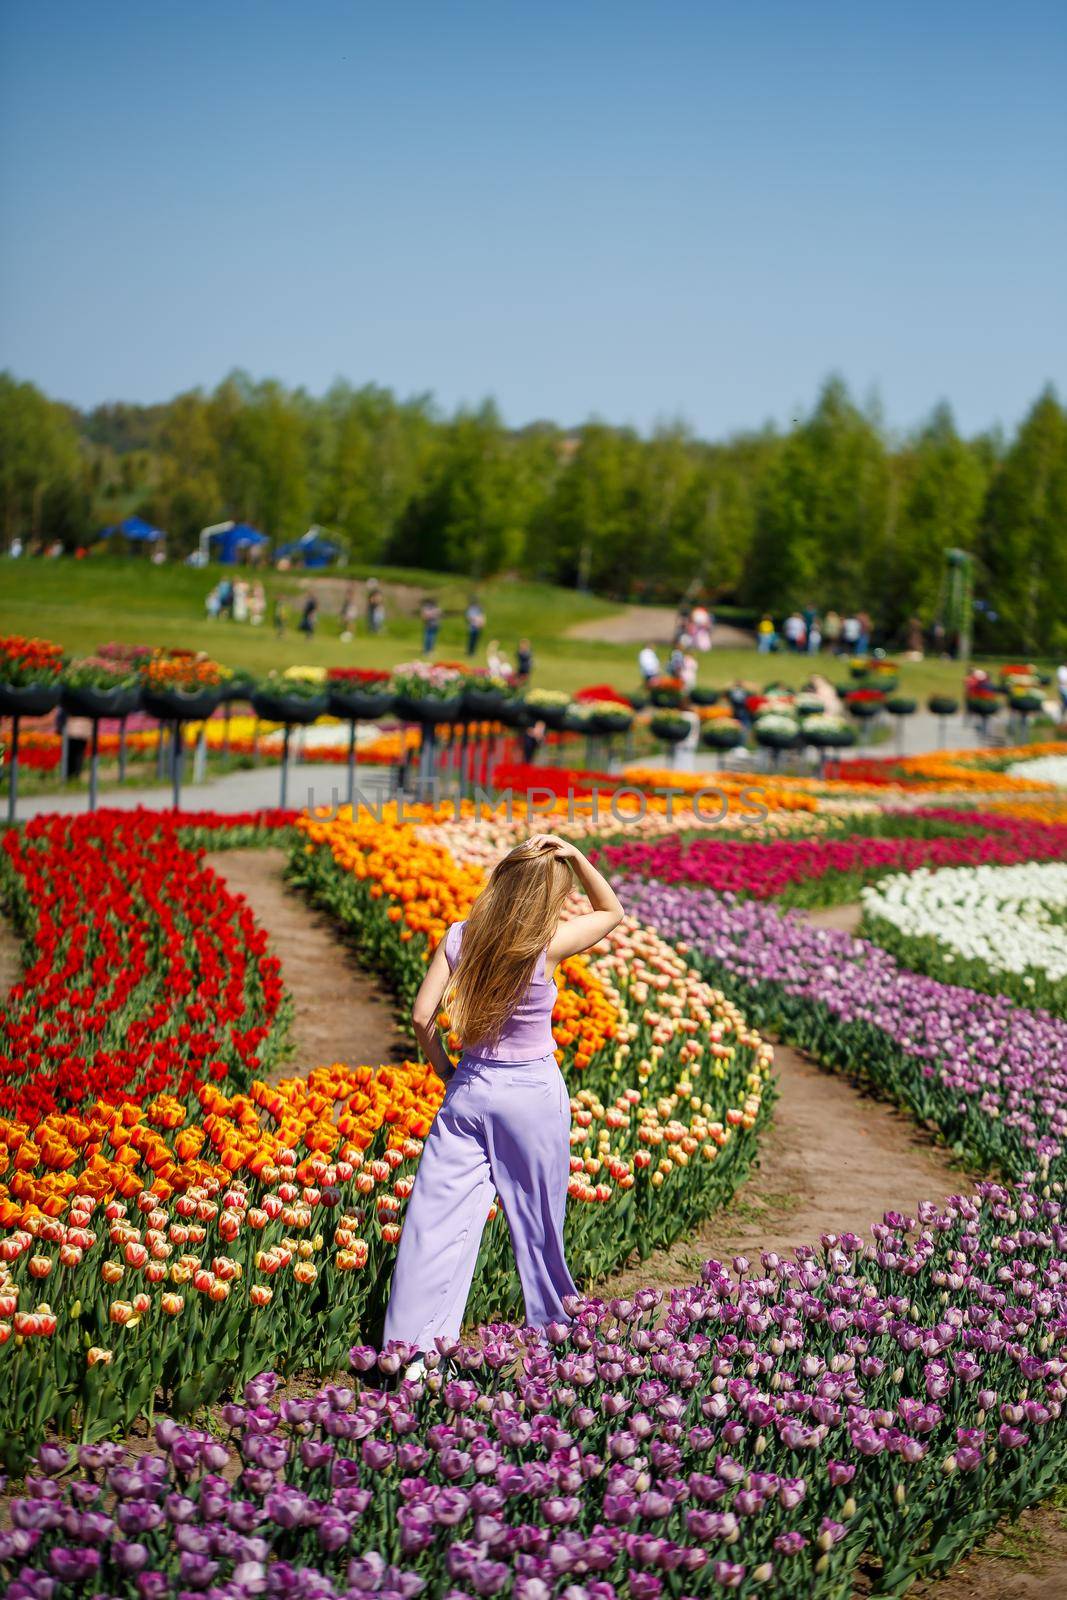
[605,723]
[866,710]
[1026,703]
[85,700]
[31,700]
[666,699]
[703,697]
[943,705]
[515,713]
[713,738]
[236,688]
[172,705]
[275,706]
[843,739]
[484,705]
[553,717]
[668,732]
[429,711]
[777,741]
[901,706]
[362,705]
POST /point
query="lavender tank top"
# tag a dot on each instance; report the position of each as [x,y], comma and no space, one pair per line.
[527,1034]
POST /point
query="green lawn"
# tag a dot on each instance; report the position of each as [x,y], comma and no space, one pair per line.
[82,605]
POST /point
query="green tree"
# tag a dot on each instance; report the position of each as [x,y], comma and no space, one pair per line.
[1023,544]
[822,512]
[41,480]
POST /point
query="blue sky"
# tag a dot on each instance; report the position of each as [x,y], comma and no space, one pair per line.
[636,211]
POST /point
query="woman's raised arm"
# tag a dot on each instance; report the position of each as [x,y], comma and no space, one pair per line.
[581,933]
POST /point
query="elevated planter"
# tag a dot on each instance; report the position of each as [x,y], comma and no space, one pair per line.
[176,705]
[29,700]
[86,700]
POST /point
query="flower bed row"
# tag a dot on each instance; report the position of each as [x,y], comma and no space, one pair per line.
[143,973]
[991,1075]
[977,770]
[792,1426]
[176,1241]
[811,871]
[1001,929]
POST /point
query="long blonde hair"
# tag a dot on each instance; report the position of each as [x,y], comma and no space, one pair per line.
[509,926]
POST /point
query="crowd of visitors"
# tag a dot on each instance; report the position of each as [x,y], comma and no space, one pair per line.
[807,632]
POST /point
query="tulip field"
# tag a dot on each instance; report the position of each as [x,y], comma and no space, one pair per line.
[197,1235]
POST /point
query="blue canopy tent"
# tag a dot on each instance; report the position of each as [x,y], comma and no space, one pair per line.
[227,542]
[311,550]
[133,528]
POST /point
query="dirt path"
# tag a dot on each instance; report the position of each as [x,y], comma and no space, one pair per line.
[340,1010]
[832,1161]
[10,957]
[652,625]
[845,919]
[1025,1561]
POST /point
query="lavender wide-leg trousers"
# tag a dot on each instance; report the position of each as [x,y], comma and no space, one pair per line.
[503,1127]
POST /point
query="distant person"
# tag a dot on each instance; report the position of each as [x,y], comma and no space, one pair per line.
[213,602]
[226,597]
[474,617]
[1061,685]
[676,662]
[765,635]
[524,661]
[496,661]
[532,739]
[240,601]
[281,615]
[850,635]
[814,637]
[430,612]
[831,631]
[348,613]
[648,662]
[257,604]
[16,547]
[78,731]
[739,693]
[308,616]
[863,643]
[689,672]
[375,607]
[795,632]
[915,638]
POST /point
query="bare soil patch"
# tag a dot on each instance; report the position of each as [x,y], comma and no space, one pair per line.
[844,919]
[832,1161]
[340,1012]
[10,957]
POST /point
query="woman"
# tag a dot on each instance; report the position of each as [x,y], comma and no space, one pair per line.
[504,1124]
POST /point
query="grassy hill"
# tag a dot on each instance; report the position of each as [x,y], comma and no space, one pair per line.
[83,604]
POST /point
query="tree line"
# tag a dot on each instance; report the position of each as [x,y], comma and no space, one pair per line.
[833,512]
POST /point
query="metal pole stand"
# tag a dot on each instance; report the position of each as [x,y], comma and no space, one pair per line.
[122,749]
[94,762]
[351,761]
[177,761]
[13,771]
[283,797]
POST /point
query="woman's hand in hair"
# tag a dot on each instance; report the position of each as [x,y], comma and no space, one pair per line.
[552,844]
